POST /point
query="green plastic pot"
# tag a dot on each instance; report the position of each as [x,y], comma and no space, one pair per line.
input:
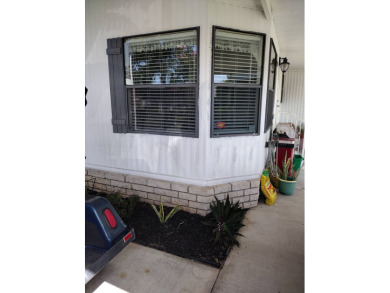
[286,187]
[297,162]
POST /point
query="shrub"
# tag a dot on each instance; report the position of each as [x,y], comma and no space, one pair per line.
[131,203]
[160,213]
[226,220]
[123,206]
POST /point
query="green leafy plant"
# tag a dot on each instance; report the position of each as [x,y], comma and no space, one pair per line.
[288,173]
[160,214]
[226,220]
[123,206]
[131,204]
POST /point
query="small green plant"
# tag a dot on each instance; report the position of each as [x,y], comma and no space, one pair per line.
[116,201]
[131,203]
[226,220]
[160,213]
[123,206]
[288,173]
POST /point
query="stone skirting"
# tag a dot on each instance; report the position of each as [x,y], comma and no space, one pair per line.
[193,199]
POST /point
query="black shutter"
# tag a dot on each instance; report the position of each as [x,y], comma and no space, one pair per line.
[269,110]
[117,85]
[269,115]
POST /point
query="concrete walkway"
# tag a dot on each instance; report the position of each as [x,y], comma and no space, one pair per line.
[138,269]
[271,256]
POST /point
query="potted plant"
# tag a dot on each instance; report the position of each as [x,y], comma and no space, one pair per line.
[287,178]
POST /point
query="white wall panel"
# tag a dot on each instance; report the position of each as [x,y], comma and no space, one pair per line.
[203,160]
[294,93]
[234,158]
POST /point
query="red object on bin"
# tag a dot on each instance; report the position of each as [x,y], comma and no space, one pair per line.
[127,237]
[110,218]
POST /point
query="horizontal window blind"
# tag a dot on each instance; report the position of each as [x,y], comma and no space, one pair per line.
[161,78]
[161,59]
[237,63]
[163,110]
[235,110]
[236,58]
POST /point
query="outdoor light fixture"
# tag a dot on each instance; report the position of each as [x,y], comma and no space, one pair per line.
[284,65]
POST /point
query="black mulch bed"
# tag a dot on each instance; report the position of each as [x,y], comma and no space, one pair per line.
[183,235]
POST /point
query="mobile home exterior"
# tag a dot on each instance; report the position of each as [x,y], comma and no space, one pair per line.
[209,153]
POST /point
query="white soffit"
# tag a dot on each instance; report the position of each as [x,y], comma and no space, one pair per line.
[289,21]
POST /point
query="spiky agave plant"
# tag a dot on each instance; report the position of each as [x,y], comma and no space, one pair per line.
[287,173]
[283,174]
[226,220]
[160,213]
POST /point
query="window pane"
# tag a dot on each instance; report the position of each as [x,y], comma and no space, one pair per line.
[235,110]
[164,110]
[237,57]
[169,58]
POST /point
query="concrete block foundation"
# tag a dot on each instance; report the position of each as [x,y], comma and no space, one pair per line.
[193,199]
